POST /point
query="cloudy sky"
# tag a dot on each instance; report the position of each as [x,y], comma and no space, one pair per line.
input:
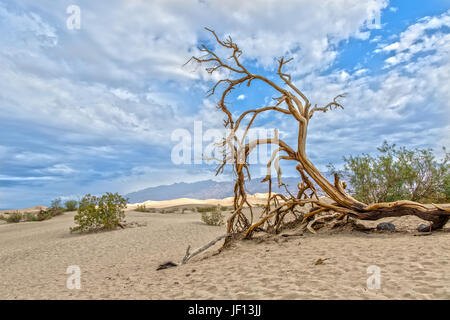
[93,109]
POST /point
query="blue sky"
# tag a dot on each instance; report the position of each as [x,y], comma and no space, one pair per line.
[93,109]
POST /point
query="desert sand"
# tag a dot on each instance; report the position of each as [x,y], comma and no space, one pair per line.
[254,199]
[33,209]
[122,264]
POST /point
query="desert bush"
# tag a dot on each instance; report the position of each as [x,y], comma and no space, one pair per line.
[56,204]
[398,173]
[206,209]
[14,217]
[213,218]
[168,211]
[98,213]
[71,205]
[55,212]
[141,208]
[43,215]
[47,214]
[30,216]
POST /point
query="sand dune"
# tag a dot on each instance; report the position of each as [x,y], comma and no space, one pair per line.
[122,264]
[257,198]
[30,209]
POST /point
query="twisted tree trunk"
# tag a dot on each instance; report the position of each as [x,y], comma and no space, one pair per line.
[292,102]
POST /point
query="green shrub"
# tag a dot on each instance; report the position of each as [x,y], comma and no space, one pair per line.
[43,215]
[55,212]
[164,211]
[206,209]
[213,218]
[47,214]
[98,213]
[56,204]
[14,217]
[30,216]
[141,208]
[71,205]
[398,173]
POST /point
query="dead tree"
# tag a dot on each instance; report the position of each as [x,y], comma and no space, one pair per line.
[292,102]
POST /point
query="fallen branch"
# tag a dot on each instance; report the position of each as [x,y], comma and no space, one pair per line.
[201,249]
[171,264]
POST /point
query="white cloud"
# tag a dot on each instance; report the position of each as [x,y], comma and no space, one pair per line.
[407,104]
[375,39]
[241,97]
[102,93]
[58,169]
[422,37]
[11,178]
[125,94]
[362,71]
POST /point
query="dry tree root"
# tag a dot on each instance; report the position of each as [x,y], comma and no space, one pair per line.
[317,218]
[289,101]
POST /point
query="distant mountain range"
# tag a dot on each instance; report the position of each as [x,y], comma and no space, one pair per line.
[209,189]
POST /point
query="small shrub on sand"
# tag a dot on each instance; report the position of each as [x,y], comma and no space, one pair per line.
[43,215]
[213,218]
[14,217]
[71,205]
[168,211]
[47,214]
[56,204]
[142,208]
[100,213]
[30,216]
[206,209]
[55,212]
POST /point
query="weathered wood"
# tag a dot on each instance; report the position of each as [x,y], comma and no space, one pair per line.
[189,255]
